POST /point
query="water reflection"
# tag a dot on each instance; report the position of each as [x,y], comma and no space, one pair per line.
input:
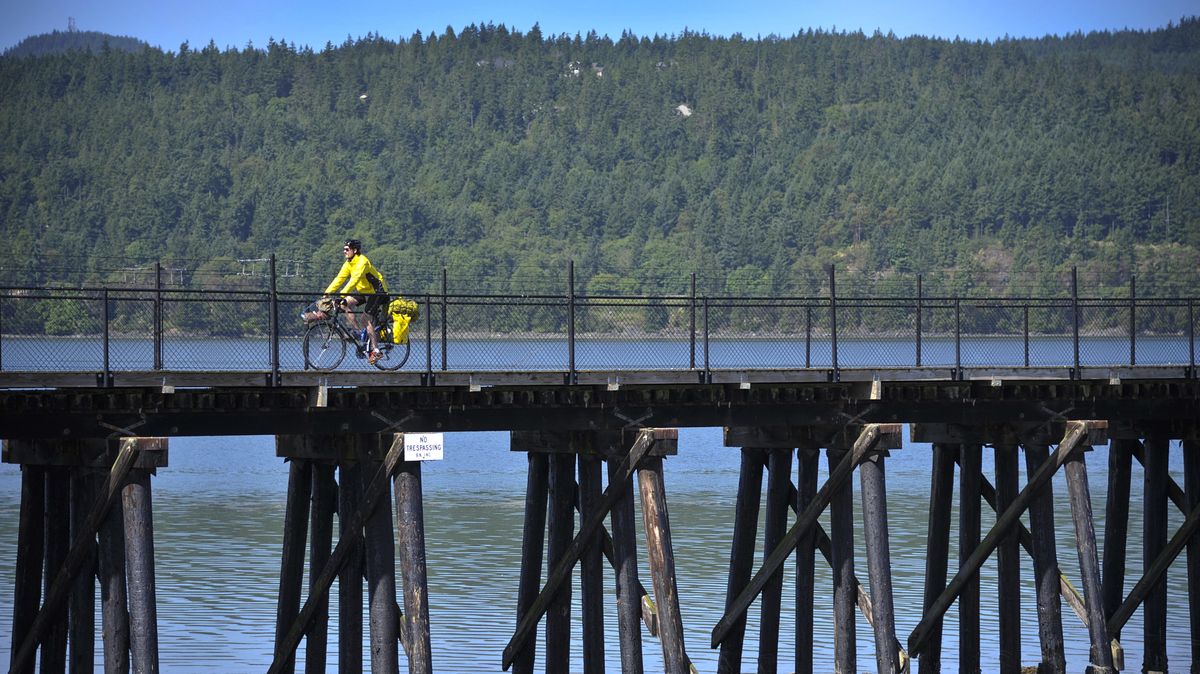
[218,514]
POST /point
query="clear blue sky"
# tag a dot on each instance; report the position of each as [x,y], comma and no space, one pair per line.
[168,23]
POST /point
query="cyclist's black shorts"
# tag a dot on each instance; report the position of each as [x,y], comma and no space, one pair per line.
[371,304]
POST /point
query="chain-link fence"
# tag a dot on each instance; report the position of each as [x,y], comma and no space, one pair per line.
[172,328]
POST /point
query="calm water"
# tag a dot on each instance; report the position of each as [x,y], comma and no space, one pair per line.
[71,354]
[219,507]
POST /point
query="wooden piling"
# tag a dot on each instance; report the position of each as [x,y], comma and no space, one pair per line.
[1154,608]
[662,440]
[1076,432]
[114,606]
[340,560]
[806,523]
[879,562]
[1008,561]
[657,525]
[591,569]
[1089,563]
[1116,525]
[941,498]
[350,578]
[806,487]
[741,556]
[1045,565]
[532,541]
[779,482]
[82,609]
[324,505]
[410,527]
[291,571]
[139,569]
[629,604]
[58,543]
[841,532]
[970,458]
[379,554]
[31,528]
[561,529]
[1191,486]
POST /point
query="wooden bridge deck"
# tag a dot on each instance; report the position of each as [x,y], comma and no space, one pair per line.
[197,403]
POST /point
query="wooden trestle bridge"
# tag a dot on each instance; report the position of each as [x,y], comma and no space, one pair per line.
[89,440]
[100,445]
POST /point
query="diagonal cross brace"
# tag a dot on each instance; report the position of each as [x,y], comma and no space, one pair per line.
[804,524]
[1155,573]
[587,530]
[862,598]
[78,552]
[341,554]
[1076,434]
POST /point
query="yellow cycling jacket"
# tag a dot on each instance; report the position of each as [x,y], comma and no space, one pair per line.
[360,277]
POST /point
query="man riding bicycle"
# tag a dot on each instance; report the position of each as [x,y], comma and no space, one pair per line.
[364,285]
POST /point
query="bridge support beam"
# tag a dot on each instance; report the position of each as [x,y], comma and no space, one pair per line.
[66,525]
[773,446]
[1008,559]
[1089,563]
[369,467]
[1154,608]
[551,492]
[1077,434]
[1116,528]
[937,559]
[1191,485]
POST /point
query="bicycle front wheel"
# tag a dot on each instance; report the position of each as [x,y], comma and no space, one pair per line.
[392,356]
[324,348]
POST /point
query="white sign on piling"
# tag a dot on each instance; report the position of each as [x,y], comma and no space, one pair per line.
[423,446]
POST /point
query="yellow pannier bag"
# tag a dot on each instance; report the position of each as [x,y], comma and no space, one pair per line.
[403,313]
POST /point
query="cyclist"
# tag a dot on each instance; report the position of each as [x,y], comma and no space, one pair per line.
[363,285]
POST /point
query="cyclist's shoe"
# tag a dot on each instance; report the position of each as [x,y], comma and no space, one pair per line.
[374,357]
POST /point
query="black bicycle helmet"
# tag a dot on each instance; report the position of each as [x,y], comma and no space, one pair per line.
[354,244]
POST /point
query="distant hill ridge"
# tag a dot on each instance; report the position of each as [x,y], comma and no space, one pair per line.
[58,42]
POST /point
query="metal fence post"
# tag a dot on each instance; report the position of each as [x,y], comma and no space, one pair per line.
[692,326]
[105,344]
[707,368]
[918,320]
[833,322]
[156,319]
[1132,320]
[957,339]
[428,341]
[1026,334]
[1075,316]
[571,321]
[273,324]
[808,336]
[445,292]
[1191,337]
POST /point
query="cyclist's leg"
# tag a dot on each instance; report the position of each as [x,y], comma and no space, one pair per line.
[371,314]
[351,316]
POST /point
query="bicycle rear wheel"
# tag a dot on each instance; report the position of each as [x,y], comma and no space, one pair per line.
[324,348]
[392,356]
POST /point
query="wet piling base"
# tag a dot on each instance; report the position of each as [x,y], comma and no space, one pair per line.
[86,522]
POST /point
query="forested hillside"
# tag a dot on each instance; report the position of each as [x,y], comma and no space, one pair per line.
[491,150]
[57,42]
